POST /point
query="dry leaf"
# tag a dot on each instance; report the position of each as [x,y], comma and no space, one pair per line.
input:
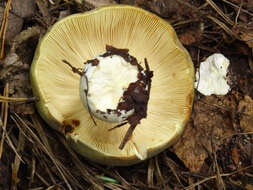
[189,150]
[208,124]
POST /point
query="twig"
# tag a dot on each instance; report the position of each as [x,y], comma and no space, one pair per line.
[74,69]
[118,126]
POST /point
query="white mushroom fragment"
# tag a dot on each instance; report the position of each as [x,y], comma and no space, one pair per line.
[211,75]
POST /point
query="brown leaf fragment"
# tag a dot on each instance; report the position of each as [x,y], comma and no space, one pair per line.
[15,24]
[246,121]
[189,151]
[24,8]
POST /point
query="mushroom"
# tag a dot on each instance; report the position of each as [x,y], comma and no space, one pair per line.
[82,37]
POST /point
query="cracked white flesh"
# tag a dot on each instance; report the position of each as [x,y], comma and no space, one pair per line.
[107,82]
[211,76]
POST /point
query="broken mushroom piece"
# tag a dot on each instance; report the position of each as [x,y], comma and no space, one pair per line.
[82,37]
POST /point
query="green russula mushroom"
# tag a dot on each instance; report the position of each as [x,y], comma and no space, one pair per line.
[68,106]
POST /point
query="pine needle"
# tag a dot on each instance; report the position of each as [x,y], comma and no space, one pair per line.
[9,99]
[4,27]
[4,114]
[215,176]
[47,151]
[16,164]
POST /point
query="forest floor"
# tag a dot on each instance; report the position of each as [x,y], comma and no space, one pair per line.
[216,149]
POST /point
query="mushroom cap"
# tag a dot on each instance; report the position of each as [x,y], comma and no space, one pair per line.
[81,37]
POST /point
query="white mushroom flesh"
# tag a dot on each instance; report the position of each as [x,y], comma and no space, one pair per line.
[107,82]
[211,76]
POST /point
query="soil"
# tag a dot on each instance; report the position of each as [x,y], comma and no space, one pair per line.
[216,148]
